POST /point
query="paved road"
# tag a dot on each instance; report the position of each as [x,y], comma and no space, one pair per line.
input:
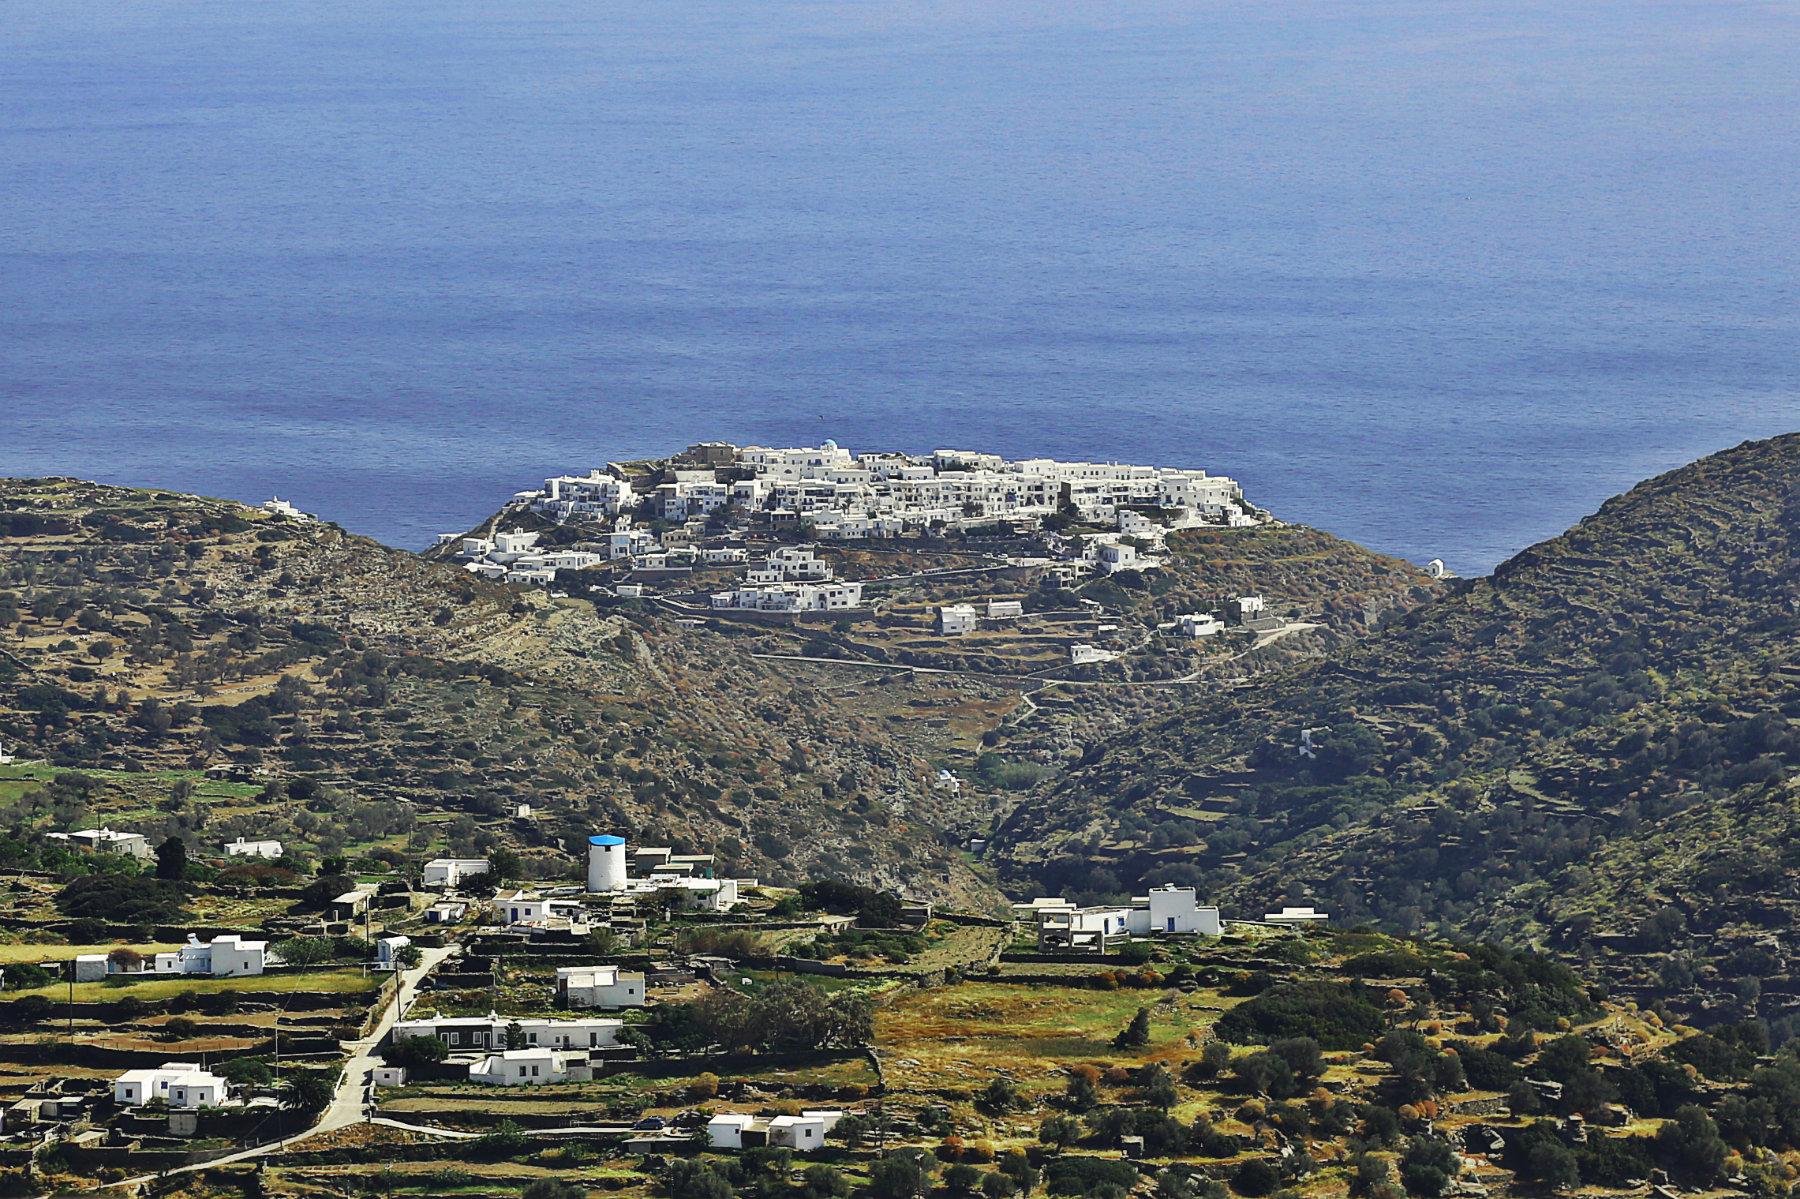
[350,1103]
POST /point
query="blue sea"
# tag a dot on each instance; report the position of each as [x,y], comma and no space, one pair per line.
[1437,275]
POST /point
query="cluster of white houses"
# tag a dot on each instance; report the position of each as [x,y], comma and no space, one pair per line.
[519,1052]
[793,578]
[860,495]
[1166,911]
[682,881]
[136,845]
[689,512]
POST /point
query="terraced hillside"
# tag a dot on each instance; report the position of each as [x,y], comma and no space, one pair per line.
[1594,747]
[148,630]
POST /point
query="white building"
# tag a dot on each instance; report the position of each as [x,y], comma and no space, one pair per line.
[490,1031]
[1246,608]
[446,912]
[105,840]
[390,1076]
[1083,654]
[387,952]
[599,987]
[956,619]
[791,597]
[584,497]
[726,1130]
[1005,609]
[512,545]
[631,543]
[277,506]
[227,956]
[449,873]
[695,894]
[1111,557]
[1198,624]
[241,848]
[1171,910]
[1297,917]
[527,1068]
[804,1133]
[1079,929]
[792,564]
[179,1084]
[532,909]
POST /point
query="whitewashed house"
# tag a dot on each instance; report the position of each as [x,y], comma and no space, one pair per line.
[1083,930]
[630,543]
[1171,910]
[179,1084]
[726,1130]
[532,909]
[1198,624]
[226,956]
[954,620]
[528,1068]
[450,873]
[1245,608]
[447,911]
[105,840]
[490,1031]
[387,952]
[1297,917]
[276,506]
[791,597]
[1005,609]
[804,1133]
[512,545]
[599,987]
[241,848]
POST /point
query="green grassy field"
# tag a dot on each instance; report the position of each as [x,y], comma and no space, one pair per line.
[64,953]
[334,981]
[962,1036]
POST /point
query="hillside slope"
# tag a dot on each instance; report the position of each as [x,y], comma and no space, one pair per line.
[1594,746]
[153,630]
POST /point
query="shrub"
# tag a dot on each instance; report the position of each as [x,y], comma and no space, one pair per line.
[1255,1177]
[1336,1015]
[1086,1175]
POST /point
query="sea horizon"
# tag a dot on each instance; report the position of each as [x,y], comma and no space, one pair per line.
[1439,279]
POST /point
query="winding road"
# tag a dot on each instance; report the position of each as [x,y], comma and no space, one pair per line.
[351,1103]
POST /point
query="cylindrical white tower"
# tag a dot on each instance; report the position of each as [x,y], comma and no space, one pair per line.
[606,864]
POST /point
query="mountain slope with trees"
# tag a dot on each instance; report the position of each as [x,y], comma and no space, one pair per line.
[149,630]
[1593,747]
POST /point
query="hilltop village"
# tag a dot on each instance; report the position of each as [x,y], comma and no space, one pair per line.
[930,559]
[655,1028]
